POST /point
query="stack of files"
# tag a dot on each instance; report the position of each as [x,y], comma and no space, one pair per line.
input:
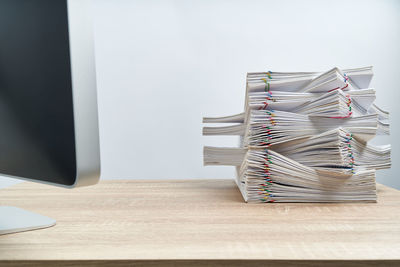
[266,127]
[291,92]
[335,150]
[267,176]
[346,103]
[311,82]
[313,129]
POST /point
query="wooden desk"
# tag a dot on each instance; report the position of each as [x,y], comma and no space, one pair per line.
[138,222]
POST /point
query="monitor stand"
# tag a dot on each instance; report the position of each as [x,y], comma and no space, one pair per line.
[13,220]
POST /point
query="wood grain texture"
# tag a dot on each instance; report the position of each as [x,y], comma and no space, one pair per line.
[121,222]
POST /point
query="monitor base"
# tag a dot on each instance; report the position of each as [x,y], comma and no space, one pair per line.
[13,220]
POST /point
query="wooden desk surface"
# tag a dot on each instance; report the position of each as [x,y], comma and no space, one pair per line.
[123,222]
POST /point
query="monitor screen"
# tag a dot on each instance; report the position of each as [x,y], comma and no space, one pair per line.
[37,137]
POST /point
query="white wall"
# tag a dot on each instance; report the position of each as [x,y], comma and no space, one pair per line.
[163,65]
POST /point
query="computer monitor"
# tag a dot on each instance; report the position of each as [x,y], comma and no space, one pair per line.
[48,102]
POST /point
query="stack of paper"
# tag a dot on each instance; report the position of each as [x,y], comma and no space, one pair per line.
[304,137]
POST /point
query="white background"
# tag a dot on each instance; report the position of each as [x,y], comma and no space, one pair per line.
[163,65]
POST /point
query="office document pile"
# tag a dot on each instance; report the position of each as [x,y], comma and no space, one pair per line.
[304,137]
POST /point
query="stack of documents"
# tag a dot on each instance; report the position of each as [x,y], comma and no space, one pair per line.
[304,137]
